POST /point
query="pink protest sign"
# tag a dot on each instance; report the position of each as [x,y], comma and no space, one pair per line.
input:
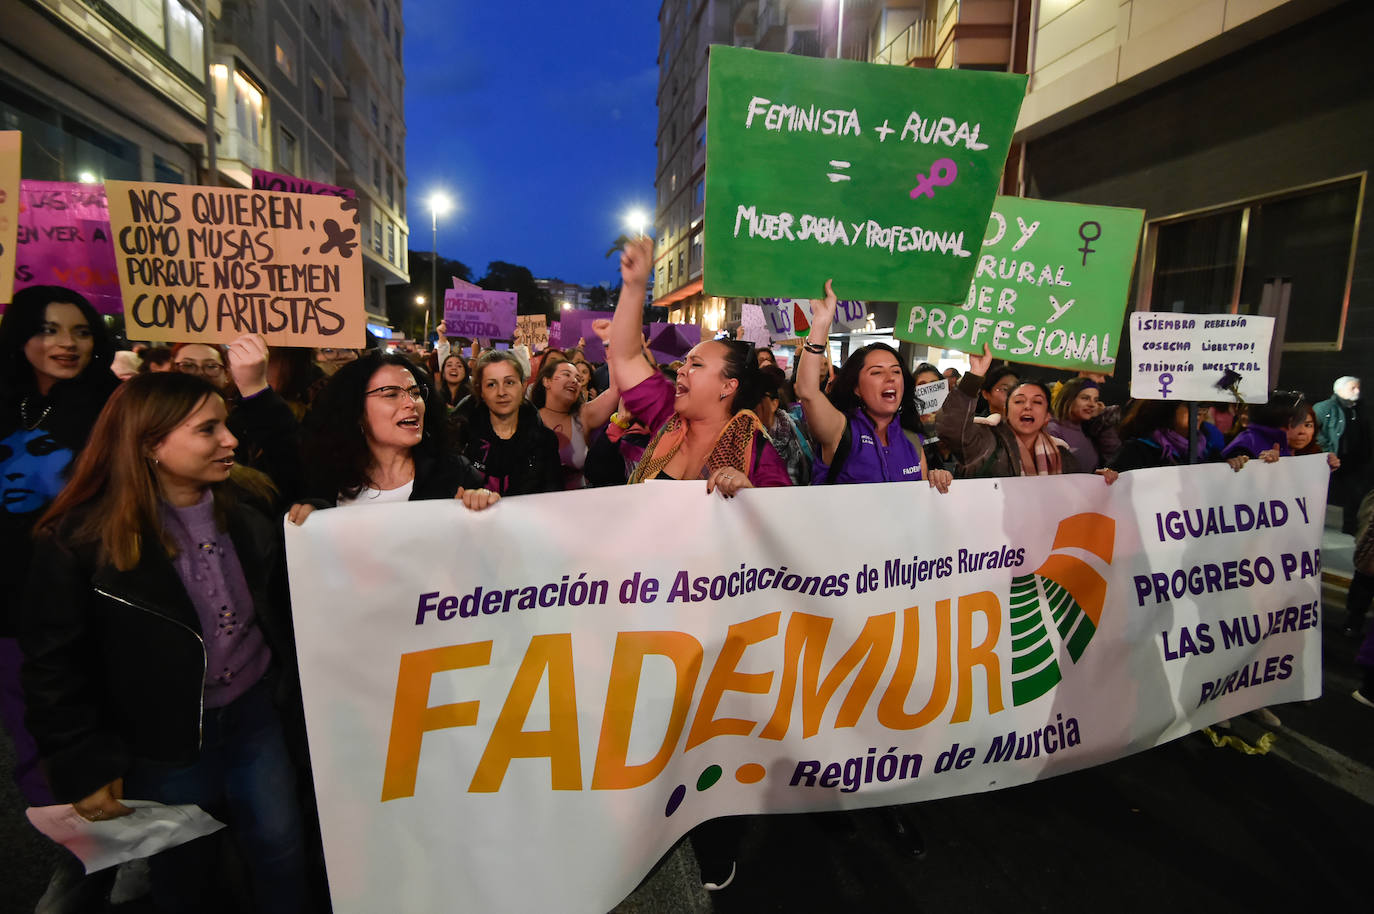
[479,314]
[64,240]
[270,180]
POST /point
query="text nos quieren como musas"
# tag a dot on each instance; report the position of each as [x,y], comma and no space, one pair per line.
[226,246]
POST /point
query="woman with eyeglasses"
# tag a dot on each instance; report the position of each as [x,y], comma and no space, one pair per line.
[331,358]
[369,442]
[500,432]
[265,425]
[158,653]
[704,424]
[55,377]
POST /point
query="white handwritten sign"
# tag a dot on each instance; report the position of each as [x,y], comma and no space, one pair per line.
[1205,357]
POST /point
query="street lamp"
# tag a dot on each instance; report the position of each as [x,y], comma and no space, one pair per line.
[420,303]
[637,221]
[439,205]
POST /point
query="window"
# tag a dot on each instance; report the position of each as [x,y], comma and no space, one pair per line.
[317,95]
[285,54]
[312,19]
[1230,260]
[247,108]
[386,18]
[390,187]
[376,172]
[144,15]
[391,242]
[386,135]
[377,235]
[185,38]
[286,150]
[375,119]
[398,43]
[699,193]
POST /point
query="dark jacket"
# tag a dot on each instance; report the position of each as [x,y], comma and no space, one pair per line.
[269,441]
[983,450]
[114,661]
[436,477]
[535,467]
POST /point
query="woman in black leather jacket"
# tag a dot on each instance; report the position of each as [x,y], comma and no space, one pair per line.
[156,635]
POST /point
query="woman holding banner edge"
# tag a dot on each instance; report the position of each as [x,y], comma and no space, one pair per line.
[1017,446]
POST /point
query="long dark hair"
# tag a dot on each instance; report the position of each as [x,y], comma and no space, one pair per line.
[742,365]
[1144,417]
[464,386]
[335,445]
[23,321]
[844,393]
[537,393]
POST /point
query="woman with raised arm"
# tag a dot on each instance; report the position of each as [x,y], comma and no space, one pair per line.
[558,393]
[1019,445]
[157,642]
[704,426]
[859,429]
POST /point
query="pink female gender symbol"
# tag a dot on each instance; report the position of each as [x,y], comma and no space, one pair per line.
[942,174]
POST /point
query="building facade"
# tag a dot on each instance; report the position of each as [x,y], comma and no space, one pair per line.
[121,89]
[1244,129]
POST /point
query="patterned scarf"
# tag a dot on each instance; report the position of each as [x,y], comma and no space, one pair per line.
[734,446]
[1046,453]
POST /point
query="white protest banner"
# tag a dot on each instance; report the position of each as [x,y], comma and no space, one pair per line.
[790,319]
[480,313]
[753,326]
[930,397]
[1206,357]
[529,720]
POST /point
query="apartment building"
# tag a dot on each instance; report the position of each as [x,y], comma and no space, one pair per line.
[1244,129]
[121,89]
[566,295]
[973,33]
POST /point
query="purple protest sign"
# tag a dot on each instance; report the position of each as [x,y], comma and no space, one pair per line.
[671,342]
[578,325]
[270,180]
[556,335]
[64,240]
[479,314]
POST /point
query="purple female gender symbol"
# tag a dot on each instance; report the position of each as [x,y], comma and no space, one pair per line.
[942,174]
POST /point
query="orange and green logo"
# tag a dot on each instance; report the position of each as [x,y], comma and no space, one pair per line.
[1065,594]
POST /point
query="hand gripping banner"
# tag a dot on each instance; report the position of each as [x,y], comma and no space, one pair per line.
[505,710]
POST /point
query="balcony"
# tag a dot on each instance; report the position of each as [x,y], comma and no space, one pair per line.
[914,46]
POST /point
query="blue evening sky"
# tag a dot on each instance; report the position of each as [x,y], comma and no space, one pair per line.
[538,118]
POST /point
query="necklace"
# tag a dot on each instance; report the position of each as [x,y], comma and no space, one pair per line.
[24,415]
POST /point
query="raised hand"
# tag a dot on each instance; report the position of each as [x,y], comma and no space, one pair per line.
[248,364]
[636,262]
[979,364]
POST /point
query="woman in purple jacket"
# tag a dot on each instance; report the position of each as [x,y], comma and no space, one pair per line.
[859,430]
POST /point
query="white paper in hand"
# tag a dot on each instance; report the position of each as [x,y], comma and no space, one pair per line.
[152,827]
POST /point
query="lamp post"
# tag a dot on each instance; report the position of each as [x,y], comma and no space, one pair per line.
[439,204]
[420,303]
[637,222]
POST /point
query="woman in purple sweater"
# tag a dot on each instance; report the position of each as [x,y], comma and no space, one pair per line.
[157,641]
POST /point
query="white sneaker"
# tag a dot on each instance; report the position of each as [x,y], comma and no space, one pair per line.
[716,887]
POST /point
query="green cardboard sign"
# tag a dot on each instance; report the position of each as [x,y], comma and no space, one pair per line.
[1049,288]
[879,177]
